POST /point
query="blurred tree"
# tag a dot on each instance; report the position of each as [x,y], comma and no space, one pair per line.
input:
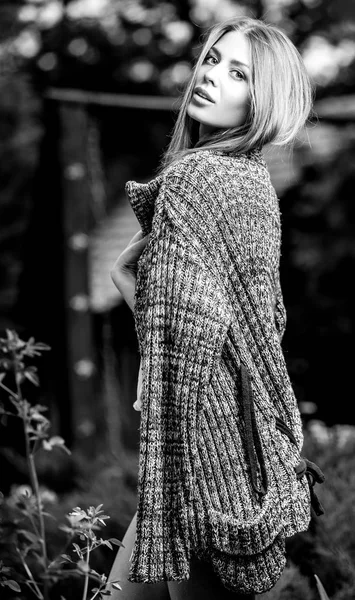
[324,32]
[318,258]
[20,133]
[146,47]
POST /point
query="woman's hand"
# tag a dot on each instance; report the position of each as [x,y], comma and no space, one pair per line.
[138,403]
[124,270]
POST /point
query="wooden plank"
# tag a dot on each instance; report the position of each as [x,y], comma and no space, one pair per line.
[340,109]
[73,96]
[81,360]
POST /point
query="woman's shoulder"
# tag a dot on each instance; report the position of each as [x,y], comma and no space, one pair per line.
[207,165]
[200,185]
[198,159]
[188,164]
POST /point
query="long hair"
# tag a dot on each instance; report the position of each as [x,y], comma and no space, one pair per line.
[281,95]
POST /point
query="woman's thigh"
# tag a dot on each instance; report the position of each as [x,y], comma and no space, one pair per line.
[203,583]
[120,571]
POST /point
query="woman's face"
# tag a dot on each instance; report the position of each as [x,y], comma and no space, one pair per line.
[221,96]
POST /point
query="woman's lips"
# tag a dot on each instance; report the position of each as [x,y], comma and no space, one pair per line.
[204,96]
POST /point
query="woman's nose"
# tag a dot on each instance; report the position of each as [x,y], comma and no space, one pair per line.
[211,75]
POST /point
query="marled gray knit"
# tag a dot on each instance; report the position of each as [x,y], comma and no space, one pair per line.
[208,299]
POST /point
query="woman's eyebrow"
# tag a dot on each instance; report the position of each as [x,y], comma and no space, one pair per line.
[233,61]
[238,63]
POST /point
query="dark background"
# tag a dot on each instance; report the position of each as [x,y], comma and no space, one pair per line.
[146,49]
[77,121]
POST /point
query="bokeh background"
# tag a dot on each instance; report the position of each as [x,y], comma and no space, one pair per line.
[88,98]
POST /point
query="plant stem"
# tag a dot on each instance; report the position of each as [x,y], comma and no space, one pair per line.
[4,387]
[96,593]
[33,523]
[35,485]
[34,482]
[36,590]
[86,581]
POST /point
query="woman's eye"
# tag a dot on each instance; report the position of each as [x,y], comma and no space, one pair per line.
[238,74]
[209,59]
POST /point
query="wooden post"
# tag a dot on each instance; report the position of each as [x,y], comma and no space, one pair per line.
[81,359]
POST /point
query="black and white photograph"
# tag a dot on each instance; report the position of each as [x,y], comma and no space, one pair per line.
[177,306]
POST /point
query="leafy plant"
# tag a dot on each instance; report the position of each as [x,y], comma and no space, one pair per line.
[322,593]
[84,524]
[4,579]
[24,516]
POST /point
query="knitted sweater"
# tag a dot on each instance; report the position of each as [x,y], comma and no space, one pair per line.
[216,475]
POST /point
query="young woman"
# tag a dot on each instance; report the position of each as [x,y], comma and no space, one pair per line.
[221,481]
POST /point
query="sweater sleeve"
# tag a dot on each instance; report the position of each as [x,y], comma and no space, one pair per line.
[186,317]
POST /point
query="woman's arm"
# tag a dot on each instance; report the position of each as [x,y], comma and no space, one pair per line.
[182,321]
[138,403]
[124,277]
[124,270]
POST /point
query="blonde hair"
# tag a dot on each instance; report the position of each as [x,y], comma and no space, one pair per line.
[281,94]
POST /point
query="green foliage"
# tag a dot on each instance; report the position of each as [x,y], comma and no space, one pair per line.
[4,578]
[291,586]
[137,46]
[23,526]
[332,549]
[20,132]
[317,257]
[322,593]
[48,546]
[321,560]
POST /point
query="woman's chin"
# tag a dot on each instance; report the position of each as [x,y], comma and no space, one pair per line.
[191,111]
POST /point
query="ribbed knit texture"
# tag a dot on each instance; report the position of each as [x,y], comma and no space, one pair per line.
[208,296]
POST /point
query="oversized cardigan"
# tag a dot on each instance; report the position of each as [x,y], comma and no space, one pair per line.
[216,474]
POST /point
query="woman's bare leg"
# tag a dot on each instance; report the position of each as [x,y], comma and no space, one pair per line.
[203,584]
[120,570]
